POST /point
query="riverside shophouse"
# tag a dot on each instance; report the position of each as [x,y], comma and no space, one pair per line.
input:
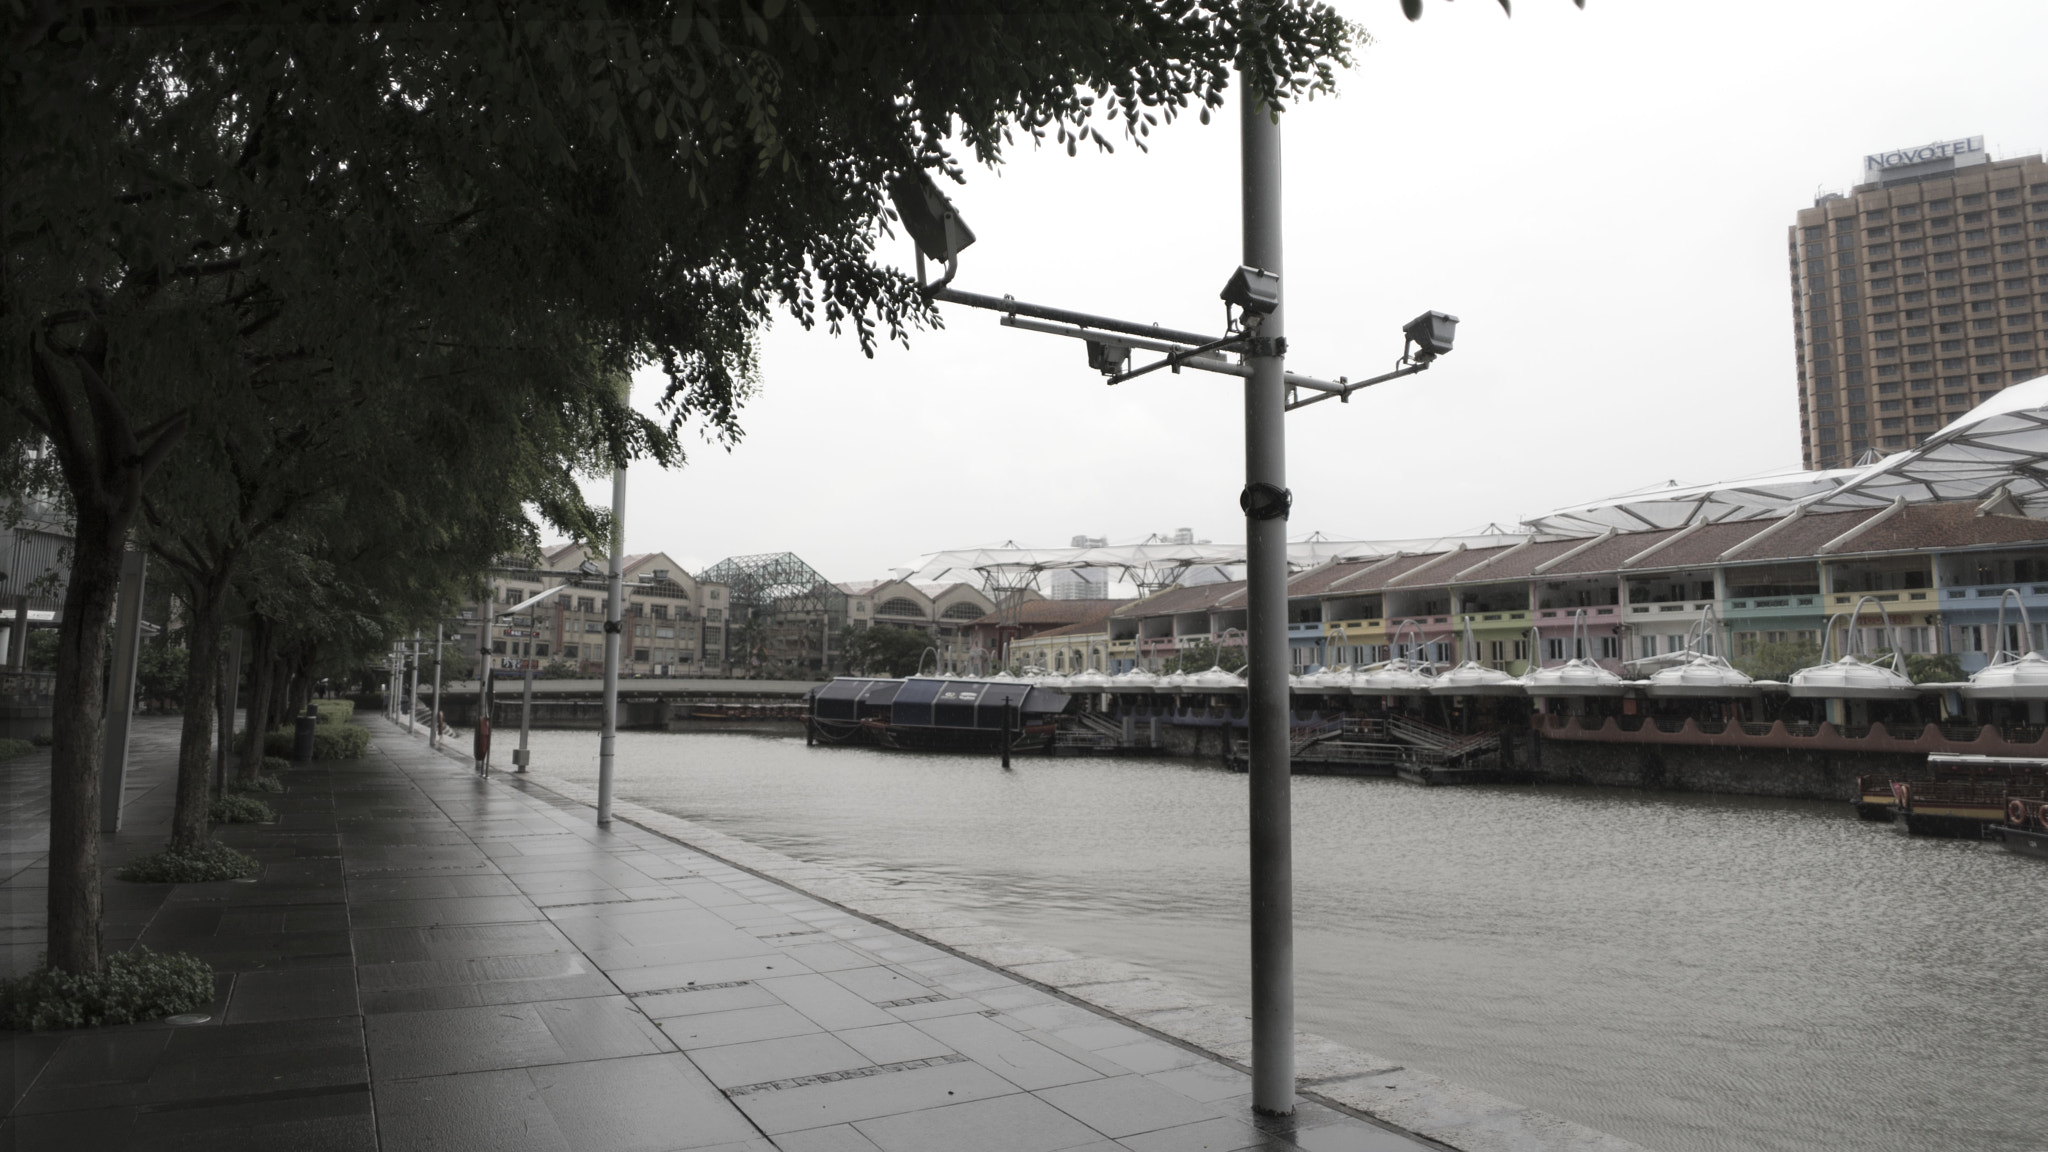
[1933,572]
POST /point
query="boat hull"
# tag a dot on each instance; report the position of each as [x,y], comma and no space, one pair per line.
[2021,841]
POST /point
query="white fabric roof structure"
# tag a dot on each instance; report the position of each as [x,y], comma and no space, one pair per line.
[1676,506]
[1012,566]
[2000,444]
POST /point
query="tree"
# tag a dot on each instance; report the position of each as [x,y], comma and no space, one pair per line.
[1778,661]
[1201,656]
[883,650]
[204,200]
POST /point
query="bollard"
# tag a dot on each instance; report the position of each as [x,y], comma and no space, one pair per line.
[1007,710]
[302,735]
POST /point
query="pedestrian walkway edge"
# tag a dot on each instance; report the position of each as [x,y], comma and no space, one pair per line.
[1330,1073]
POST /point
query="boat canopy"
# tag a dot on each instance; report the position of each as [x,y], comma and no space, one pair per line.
[844,697]
[935,703]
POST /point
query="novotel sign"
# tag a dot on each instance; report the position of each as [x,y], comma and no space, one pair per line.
[1969,150]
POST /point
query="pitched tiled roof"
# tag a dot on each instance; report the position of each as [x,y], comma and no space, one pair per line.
[1054,613]
[1199,598]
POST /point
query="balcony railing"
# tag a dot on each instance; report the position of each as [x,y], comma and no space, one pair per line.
[1846,599]
[1765,603]
[1674,606]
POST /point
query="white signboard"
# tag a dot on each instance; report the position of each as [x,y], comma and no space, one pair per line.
[1967,151]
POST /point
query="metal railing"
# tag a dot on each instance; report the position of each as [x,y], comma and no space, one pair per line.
[28,685]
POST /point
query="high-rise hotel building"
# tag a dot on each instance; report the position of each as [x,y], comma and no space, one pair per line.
[1918,294]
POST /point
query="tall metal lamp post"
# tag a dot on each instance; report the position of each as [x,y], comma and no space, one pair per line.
[1257,331]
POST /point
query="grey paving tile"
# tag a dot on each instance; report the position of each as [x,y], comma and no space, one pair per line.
[1355,1136]
[1005,1052]
[826,1002]
[639,1104]
[1150,1055]
[410,1044]
[879,984]
[398,945]
[713,1029]
[832,1138]
[892,1043]
[1221,1134]
[784,1058]
[1122,1106]
[501,1111]
[368,914]
[91,1128]
[1205,1080]
[293,994]
[333,1121]
[865,1098]
[705,998]
[1018,1123]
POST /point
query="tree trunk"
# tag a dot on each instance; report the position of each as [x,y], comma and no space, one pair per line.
[257,716]
[74,895]
[195,739]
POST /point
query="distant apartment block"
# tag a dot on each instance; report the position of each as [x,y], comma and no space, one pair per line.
[1920,293]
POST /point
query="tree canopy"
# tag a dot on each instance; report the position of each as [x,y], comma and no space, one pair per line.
[276,274]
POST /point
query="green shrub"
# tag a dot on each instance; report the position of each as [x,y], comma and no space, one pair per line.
[133,986]
[335,711]
[330,742]
[9,749]
[40,739]
[276,764]
[240,810]
[202,865]
[260,784]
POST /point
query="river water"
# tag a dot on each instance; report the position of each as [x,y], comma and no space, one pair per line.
[1694,973]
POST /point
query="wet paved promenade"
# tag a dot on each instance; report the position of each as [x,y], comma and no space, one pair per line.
[433,961]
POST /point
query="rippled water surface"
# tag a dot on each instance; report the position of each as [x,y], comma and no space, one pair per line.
[1689,972]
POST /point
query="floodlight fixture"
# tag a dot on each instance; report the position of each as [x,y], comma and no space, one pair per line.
[1108,359]
[1255,291]
[590,568]
[934,224]
[1431,333]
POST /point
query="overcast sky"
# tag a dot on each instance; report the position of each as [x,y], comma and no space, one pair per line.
[1600,196]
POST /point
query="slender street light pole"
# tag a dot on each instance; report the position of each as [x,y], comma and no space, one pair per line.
[615,611]
[1265,503]
[434,723]
[412,688]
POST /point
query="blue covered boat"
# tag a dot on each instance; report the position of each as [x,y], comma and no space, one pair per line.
[935,712]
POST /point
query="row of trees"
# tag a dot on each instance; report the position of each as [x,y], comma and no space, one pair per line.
[326,307]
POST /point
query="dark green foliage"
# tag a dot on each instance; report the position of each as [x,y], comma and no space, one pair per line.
[1928,667]
[160,674]
[276,764]
[881,650]
[134,986]
[42,650]
[206,863]
[330,742]
[1201,656]
[240,810]
[335,711]
[40,739]
[9,749]
[261,784]
[1778,661]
